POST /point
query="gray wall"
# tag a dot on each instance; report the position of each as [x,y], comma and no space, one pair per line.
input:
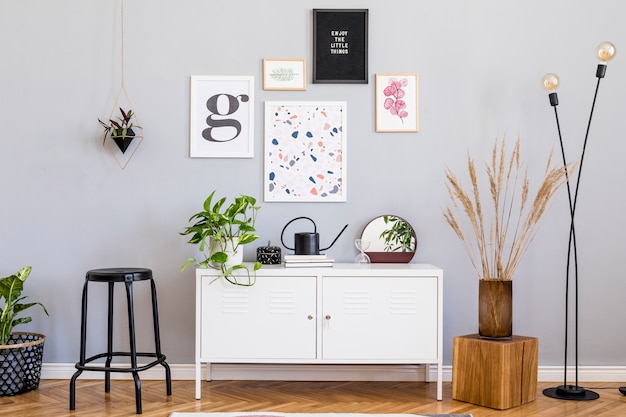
[67,207]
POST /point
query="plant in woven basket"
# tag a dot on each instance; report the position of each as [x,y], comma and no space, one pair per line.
[11,293]
[498,232]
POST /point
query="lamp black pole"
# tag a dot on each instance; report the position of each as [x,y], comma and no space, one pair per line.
[575,391]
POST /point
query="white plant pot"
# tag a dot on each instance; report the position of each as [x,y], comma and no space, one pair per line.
[234,258]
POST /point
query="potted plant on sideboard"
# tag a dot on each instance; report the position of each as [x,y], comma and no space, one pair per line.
[120,130]
[221,231]
[20,352]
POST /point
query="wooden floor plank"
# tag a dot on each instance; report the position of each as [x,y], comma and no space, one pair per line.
[51,399]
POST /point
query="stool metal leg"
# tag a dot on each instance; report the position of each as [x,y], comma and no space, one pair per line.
[157,338]
[83,341]
[107,364]
[137,392]
[131,333]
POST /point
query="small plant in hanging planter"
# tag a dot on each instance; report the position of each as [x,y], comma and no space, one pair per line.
[120,130]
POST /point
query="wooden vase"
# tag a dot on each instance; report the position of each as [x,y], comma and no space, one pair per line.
[495,308]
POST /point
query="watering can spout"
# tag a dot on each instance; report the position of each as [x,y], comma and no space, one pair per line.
[344,228]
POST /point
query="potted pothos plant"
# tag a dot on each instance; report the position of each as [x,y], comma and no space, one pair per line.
[120,129]
[220,231]
[20,352]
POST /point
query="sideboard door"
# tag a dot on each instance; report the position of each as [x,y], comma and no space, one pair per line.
[379,318]
[274,319]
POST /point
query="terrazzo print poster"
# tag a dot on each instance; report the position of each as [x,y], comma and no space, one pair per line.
[305,151]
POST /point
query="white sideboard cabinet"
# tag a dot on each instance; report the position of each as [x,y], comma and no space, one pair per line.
[345,314]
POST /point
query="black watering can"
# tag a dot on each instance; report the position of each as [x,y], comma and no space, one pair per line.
[307,243]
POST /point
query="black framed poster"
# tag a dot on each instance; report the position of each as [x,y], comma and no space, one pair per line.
[340,46]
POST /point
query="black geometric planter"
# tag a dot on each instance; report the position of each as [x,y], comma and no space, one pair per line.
[20,363]
[123,142]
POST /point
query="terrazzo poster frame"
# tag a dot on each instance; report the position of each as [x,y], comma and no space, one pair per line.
[391,89]
[340,46]
[221,121]
[308,167]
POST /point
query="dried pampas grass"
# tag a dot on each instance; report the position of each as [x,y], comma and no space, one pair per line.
[498,234]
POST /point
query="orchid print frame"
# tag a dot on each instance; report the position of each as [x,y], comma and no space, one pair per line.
[397,104]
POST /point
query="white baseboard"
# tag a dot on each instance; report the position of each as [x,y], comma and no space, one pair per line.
[293,372]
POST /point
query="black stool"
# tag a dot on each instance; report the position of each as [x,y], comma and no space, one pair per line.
[127,276]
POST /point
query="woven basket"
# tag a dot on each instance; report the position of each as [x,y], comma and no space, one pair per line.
[20,363]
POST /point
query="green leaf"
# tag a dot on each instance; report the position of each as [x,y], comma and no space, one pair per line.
[10,290]
[187,263]
[283,74]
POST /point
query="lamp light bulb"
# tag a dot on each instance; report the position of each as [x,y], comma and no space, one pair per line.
[550,82]
[605,52]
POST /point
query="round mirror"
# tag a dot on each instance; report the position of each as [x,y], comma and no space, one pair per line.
[392,239]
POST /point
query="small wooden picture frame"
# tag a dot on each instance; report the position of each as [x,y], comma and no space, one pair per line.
[284,74]
[397,103]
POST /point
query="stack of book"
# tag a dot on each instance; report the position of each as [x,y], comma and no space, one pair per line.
[307,261]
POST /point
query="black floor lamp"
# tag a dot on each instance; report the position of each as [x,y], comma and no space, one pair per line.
[605,52]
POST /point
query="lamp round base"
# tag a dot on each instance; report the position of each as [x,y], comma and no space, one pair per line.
[571,392]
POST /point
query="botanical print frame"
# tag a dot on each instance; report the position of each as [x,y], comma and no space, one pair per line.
[221,121]
[284,74]
[305,151]
[397,106]
[340,45]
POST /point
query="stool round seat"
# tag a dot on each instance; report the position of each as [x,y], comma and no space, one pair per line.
[119,274]
[127,276]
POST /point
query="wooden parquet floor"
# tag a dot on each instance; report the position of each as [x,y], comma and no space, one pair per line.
[51,399]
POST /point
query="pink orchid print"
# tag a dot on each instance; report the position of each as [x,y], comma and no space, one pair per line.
[394,94]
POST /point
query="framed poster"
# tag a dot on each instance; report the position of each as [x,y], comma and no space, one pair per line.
[397,103]
[221,121]
[340,45]
[305,151]
[284,74]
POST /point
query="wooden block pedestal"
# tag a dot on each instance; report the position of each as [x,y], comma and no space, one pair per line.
[498,374]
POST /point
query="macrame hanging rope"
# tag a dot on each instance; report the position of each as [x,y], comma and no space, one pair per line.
[122,86]
[122,48]
[123,160]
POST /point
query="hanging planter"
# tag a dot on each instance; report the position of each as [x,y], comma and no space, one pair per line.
[120,130]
